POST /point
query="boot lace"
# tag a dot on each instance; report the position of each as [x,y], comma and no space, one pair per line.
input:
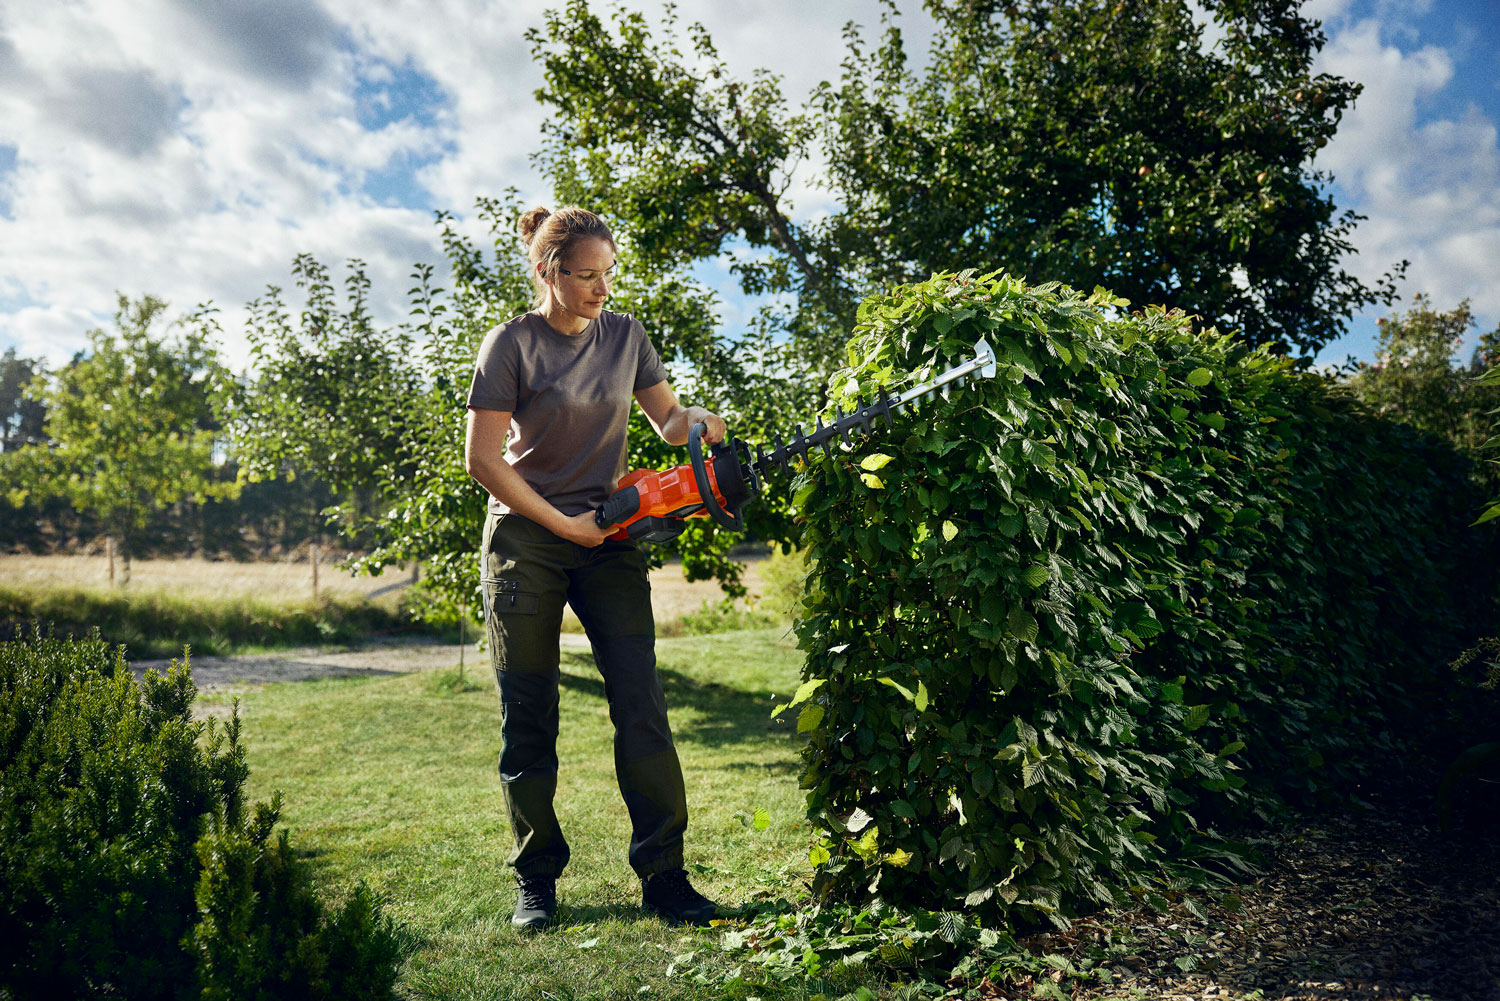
[537,893]
[674,884]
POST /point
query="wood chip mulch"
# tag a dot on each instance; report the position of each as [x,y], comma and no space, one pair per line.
[1368,903]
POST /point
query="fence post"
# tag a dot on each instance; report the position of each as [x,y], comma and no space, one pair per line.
[313,558]
[109,552]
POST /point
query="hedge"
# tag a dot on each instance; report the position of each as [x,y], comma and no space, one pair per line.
[131,865]
[1062,623]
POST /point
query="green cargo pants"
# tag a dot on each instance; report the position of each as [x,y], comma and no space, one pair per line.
[527,575]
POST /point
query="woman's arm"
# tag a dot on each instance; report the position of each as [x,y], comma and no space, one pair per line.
[484,458]
[672,420]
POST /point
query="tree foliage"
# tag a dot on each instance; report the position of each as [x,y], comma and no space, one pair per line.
[380,413]
[1115,142]
[22,416]
[1491,380]
[1418,376]
[1145,578]
[130,426]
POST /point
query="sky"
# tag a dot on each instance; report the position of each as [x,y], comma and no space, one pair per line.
[190,149]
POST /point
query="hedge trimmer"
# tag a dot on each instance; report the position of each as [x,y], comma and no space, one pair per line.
[653,505]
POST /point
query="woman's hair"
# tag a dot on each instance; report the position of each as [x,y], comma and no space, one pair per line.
[549,236]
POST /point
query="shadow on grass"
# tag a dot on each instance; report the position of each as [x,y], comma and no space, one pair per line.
[569,916]
[723,715]
[788,767]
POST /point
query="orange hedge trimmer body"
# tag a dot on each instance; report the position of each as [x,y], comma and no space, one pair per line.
[653,505]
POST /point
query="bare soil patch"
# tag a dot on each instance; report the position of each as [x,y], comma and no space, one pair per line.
[1370,903]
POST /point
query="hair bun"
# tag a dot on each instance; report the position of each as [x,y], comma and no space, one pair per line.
[532,221]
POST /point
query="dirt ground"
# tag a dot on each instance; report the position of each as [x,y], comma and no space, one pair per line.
[1367,902]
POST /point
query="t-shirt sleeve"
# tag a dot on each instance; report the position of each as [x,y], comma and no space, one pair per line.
[496,382]
[648,370]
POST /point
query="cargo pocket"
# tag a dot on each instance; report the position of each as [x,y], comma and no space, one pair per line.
[514,628]
[507,598]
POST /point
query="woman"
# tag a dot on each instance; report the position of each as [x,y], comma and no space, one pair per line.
[559,381]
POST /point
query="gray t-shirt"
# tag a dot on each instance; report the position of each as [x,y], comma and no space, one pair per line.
[569,397]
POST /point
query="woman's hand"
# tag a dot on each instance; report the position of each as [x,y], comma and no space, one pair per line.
[672,420]
[714,423]
[580,528]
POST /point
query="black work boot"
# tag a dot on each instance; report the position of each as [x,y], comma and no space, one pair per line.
[670,895]
[536,902]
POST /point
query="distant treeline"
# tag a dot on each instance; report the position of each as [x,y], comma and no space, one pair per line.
[268,519]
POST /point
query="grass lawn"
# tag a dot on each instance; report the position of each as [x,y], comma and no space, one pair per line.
[393,780]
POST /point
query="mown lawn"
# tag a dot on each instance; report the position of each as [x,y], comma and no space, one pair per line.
[393,780]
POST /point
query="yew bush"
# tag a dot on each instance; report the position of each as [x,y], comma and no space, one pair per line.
[1061,623]
[132,864]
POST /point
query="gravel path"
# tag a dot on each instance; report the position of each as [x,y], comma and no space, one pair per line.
[379,656]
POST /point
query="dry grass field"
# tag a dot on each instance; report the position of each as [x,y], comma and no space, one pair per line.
[291,580]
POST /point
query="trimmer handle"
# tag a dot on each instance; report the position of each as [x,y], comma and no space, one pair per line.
[731,520]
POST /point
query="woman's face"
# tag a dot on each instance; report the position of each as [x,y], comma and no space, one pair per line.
[583,281]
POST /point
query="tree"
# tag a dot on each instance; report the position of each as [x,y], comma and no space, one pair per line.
[1097,142]
[130,426]
[379,413]
[323,387]
[1418,377]
[22,418]
[1491,380]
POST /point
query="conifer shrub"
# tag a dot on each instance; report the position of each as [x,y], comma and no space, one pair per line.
[1061,623]
[131,865]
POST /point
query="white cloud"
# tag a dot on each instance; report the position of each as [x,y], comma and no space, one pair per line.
[191,149]
[1430,186]
[199,178]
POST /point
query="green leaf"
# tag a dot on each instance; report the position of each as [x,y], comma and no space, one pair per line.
[868,844]
[898,687]
[858,821]
[762,819]
[922,700]
[1200,377]
[810,718]
[1036,575]
[818,855]
[806,689]
[1031,772]
[803,495]
[900,858]
[872,481]
[879,460]
[1196,717]
[950,531]
[1022,624]
[1489,515]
